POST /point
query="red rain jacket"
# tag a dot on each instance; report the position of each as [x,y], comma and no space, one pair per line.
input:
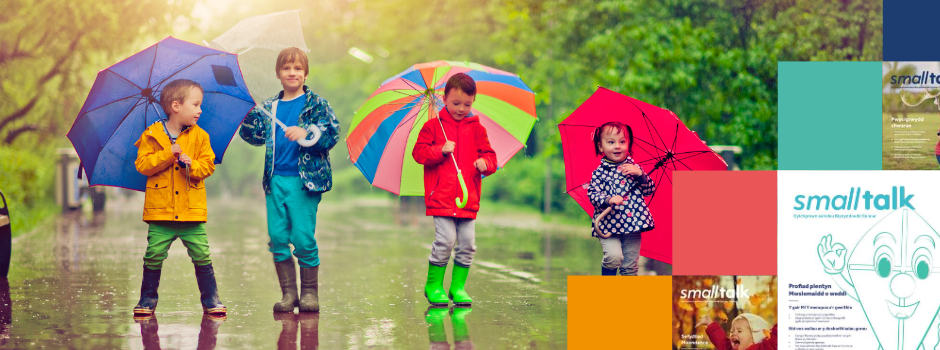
[441,186]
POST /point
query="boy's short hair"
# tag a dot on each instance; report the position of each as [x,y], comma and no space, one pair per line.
[176,91]
[613,128]
[463,82]
[289,55]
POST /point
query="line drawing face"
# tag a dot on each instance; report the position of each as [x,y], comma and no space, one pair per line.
[892,273]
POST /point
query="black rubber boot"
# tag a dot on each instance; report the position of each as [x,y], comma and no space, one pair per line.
[608,272]
[148,293]
[309,287]
[287,276]
[208,291]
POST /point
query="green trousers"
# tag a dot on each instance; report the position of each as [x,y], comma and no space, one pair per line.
[162,234]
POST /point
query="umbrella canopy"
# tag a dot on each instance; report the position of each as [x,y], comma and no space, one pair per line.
[124,101]
[385,129]
[258,40]
[661,145]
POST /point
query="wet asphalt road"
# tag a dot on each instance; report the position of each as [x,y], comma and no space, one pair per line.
[75,280]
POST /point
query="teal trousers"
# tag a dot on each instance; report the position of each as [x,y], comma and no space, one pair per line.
[292,220]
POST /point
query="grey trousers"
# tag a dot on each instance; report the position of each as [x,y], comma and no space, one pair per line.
[623,252]
[449,231]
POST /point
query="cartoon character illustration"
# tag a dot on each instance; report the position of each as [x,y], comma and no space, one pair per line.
[891,273]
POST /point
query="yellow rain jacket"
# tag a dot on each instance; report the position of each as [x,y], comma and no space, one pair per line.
[172,195]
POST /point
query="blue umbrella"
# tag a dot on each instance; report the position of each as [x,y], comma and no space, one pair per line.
[125,100]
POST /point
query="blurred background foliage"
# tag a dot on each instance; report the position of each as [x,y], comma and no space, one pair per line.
[712,62]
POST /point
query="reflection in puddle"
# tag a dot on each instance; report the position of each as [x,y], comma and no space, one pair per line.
[179,336]
[437,336]
[75,281]
[307,322]
[6,311]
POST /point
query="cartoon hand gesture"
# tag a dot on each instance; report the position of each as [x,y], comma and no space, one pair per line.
[831,255]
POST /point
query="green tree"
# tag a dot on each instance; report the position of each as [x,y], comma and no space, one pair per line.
[50,47]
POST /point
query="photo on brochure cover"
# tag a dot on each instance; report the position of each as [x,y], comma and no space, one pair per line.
[856,259]
[228,170]
[724,312]
[910,106]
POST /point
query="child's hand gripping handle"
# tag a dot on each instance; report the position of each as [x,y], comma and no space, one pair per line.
[597,222]
[463,187]
[303,141]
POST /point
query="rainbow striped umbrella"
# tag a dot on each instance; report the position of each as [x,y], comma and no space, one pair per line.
[385,128]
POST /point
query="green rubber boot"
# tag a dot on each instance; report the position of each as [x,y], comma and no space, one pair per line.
[435,319]
[458,279]
[434,288]
[457,318]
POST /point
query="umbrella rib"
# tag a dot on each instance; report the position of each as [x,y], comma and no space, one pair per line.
[406,94]
[179,70]
[125,79]
[109,103]
[150,76]
[675,160]
[415,87]
[692,155]
[647,121]
[409,117]
[658,151]
[666,175]
[122,121]
[404,155]
[675,137]
[687,152]
[655,190]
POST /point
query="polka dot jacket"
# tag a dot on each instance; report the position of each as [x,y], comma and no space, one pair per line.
[633,216]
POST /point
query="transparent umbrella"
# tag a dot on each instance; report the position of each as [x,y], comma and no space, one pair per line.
[258,40]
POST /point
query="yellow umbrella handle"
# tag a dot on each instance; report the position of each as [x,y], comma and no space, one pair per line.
[463,187]
[597,222]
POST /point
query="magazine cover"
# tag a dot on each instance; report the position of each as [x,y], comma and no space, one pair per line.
[856,259]
[724,312]
[910,115]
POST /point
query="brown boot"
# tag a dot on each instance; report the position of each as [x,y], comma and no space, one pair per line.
[287,276]
[309,285]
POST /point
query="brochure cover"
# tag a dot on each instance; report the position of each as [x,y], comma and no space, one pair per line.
[910,115]
[856,263]
[724,312]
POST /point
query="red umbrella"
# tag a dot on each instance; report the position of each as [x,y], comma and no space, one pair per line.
[662,144]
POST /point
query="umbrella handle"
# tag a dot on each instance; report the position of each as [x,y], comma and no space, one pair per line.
[310,128]
[463,187]
[316,136]
[597,221]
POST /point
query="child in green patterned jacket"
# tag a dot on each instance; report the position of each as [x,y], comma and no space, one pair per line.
[295,176]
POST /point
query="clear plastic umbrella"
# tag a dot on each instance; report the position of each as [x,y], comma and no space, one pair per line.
[257,41]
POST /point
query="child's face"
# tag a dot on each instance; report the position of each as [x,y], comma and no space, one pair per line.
[188,112]
[614,145]
[292,75]
[458,103]
[741,336]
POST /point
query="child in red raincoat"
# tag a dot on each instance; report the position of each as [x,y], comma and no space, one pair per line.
[455,136]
